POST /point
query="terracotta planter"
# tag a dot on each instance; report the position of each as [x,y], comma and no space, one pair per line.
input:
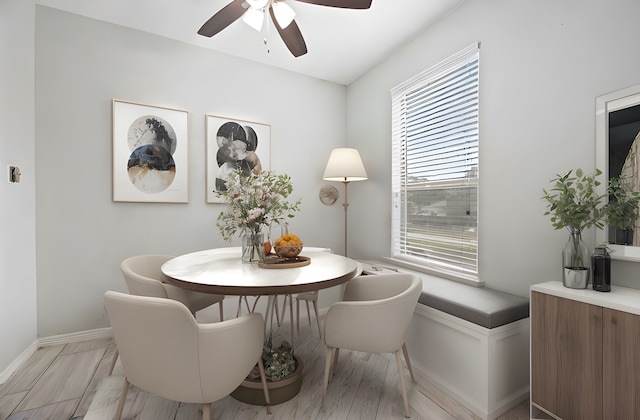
[250,390]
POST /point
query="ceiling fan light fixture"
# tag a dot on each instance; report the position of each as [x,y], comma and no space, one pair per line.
[284,13]
[254,18]
[257,4]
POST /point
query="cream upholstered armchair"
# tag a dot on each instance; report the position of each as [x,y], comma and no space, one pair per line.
[144,277]
[373,317]
[164,351]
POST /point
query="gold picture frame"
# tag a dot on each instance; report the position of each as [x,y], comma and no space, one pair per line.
[234,144]
[150,153]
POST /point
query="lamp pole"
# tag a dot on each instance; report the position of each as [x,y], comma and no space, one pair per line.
[346,207]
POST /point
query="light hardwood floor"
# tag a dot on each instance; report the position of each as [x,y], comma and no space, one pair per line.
[71,382]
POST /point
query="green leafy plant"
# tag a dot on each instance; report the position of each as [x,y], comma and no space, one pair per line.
[622,210]
[574,203]
[278,362]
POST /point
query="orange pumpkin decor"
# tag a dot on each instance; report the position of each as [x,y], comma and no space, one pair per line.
[288,239]
[288,246]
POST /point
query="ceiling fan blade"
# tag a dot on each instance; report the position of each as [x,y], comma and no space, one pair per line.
[345,4]
[291,36]
[223,18]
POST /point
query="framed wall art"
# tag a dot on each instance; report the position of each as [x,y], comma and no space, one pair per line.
[150,146]
[234,145]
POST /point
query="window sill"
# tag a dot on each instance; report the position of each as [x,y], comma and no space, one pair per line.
[431,272]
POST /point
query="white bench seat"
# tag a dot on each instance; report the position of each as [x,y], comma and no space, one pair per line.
[470,342]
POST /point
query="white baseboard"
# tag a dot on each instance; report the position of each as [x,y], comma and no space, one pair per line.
[75,337]
[17,362]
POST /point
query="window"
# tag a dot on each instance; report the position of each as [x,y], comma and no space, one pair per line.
[435,167]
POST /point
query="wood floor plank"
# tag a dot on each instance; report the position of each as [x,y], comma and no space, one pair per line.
[422,405]
[67,378]
[105,400]
[193,411]
[57,410]
[157,408]
[391,402]
[86,345]
[101,372]
[370,388]
[9,402]
[443,400]
[342,386]
[26,376]
[229,408]
[307,403]
[519,412]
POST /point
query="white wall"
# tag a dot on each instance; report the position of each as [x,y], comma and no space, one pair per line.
[17,212]
[81,65]
[543,63]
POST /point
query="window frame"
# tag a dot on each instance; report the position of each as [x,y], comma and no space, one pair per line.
[399,153]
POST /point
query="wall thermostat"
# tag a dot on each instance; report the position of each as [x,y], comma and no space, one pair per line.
[14,174]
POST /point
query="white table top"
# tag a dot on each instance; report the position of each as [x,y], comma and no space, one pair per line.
[619,298]
[221,271]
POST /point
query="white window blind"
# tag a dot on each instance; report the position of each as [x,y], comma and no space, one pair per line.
[435,167]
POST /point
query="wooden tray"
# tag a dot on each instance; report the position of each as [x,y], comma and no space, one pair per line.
[279,262]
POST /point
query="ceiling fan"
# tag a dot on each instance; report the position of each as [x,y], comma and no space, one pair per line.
[282,15]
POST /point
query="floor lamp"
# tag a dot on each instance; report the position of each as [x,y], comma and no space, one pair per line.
[345,166]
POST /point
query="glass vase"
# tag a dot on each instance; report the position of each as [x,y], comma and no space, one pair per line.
[575,263]
[252,247]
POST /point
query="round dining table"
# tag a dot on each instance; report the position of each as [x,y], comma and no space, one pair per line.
[221,271]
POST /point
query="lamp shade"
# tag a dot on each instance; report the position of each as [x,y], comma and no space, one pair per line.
[254,18]
[344,165]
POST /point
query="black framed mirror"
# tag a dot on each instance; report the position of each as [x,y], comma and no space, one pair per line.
[617,155]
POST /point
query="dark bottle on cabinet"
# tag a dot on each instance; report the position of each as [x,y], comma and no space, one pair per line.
[601,269]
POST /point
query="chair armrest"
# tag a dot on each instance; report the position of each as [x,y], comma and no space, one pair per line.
[238,342]
[372,326]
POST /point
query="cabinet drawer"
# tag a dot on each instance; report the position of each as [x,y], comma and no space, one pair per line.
[566,357]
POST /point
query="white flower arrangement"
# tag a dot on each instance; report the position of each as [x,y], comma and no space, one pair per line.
[255,201]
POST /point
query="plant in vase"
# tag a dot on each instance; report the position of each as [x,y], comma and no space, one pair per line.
[255,202]
[574,203]
[622,210]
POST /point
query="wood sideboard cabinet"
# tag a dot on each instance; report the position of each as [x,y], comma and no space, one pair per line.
[585,352]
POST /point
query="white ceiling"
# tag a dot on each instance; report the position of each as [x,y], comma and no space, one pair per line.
[342,44]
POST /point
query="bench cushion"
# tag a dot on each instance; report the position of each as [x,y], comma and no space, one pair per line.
[480,305]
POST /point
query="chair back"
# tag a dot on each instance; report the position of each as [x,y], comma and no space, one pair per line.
[164,351]
[375,313]
[381,286]
[143,275]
